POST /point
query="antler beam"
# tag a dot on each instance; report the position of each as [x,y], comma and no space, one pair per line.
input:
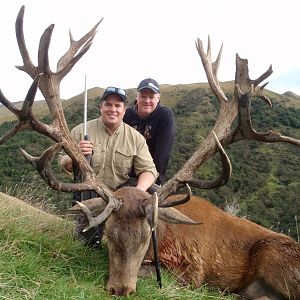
[58,131]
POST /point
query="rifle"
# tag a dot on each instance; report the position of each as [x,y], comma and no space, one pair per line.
[79,196]
[85,135]
[94,235]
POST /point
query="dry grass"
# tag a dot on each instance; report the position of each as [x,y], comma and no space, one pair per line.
[19,213]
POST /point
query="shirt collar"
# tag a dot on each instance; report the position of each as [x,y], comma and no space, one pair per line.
[118,129]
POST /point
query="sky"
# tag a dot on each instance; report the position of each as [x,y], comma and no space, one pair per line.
[139,39]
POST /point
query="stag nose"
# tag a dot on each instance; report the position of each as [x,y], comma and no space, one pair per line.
[120,291]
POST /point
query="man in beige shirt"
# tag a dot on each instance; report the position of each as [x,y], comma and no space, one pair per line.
[115,147]
[116,150]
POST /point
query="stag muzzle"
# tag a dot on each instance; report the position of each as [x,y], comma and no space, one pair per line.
[122,280]
[119,290]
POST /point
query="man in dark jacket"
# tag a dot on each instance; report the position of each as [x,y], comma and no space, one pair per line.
[155,122]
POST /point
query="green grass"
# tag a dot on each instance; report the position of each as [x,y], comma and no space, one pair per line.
[40,260]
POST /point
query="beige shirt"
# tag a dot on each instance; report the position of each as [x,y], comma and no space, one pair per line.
[114,155]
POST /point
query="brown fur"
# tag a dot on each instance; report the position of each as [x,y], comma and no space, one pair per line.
[225,251]
[128,236]
[229,252]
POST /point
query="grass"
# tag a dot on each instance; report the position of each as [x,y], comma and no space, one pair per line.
[33,190]
[40,260]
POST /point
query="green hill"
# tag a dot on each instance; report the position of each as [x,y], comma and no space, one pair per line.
[265,183]
[171,95]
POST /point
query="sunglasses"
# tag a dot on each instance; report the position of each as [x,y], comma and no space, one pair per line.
[116,90]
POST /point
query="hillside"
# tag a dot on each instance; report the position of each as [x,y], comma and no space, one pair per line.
[291,95]
[170,93]
[265,183]
[40,107]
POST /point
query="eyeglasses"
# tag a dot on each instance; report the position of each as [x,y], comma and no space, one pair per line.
[116,90]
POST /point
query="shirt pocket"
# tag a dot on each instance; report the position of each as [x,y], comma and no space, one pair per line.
[98,158]
[124,160]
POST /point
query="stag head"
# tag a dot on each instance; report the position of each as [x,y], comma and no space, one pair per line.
[130,214]
[128,230]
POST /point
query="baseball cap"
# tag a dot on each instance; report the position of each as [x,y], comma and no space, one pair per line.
[149,83]
[114,90]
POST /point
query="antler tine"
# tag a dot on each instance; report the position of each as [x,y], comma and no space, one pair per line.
[75,46]
[9,105]
[211,69]
[244,91]
[27,63]
[30,97]
[10,133]
[261,78]
[178,202]
[208,48]
[43,57]
[185,175]
[244,129]
[258,92]
[43,166]
[242,75]
[90,182]
[225,174]
[24,114]
[74,60]
[113,204]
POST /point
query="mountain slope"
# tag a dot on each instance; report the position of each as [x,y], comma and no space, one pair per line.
[265,181]
[171,94]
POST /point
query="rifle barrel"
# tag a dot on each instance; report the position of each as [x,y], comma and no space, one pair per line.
[85,108]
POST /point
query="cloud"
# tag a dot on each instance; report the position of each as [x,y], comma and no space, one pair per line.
[140,39]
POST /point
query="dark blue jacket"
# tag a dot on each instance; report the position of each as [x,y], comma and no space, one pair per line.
[159,132]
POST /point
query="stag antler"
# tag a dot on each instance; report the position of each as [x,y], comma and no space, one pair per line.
[238,106]
[49,84]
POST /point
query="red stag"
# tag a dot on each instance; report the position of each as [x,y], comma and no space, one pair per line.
[224,251]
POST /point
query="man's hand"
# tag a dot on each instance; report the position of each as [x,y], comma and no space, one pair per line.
[86,147]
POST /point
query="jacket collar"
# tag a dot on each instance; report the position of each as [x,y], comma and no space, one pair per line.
[151,115]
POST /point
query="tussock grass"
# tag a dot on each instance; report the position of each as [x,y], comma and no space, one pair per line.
[33,190]
[40,260]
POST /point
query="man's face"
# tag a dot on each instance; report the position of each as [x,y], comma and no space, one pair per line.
[147,101]
[112,111]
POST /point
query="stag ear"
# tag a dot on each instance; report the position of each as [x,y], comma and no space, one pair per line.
[172,215]
[95,205]
[150,209]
